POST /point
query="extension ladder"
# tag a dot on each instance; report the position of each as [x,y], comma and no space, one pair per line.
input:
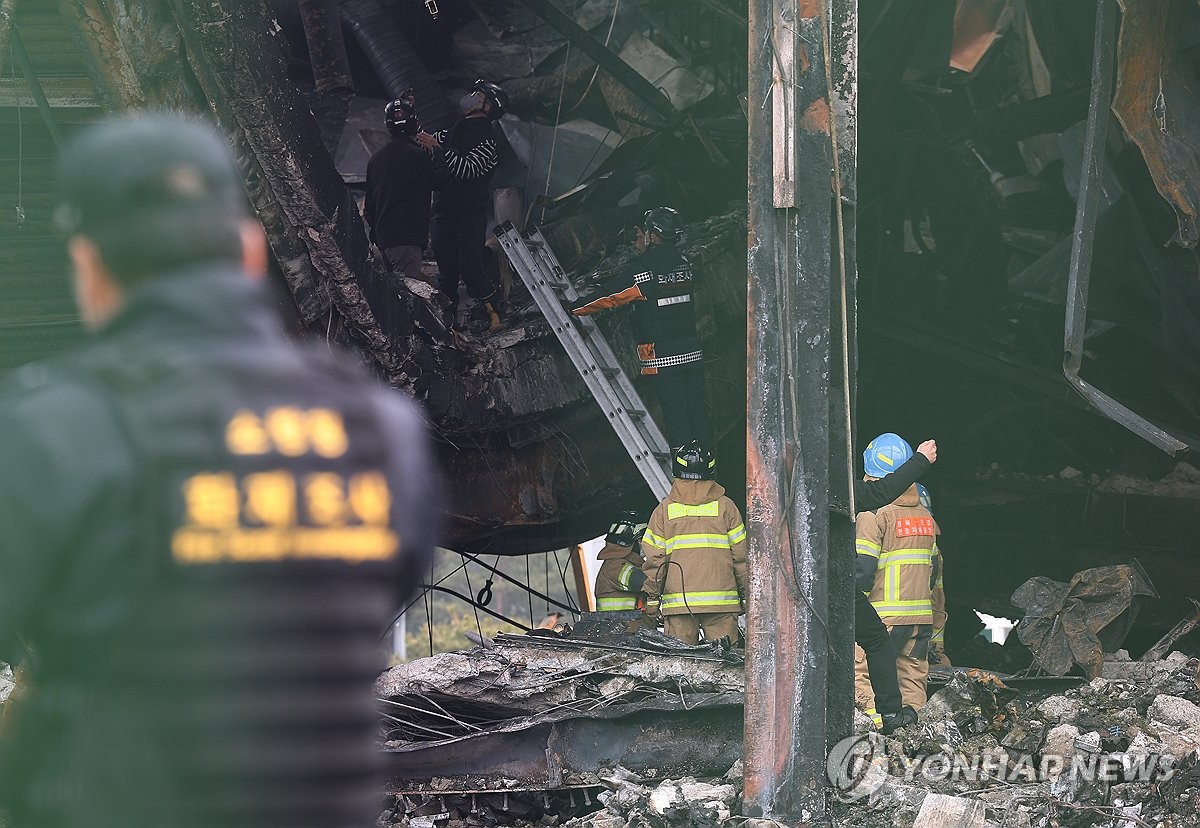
[591,355]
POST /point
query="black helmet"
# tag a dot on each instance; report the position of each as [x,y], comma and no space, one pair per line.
[496,96]
[694,462]
[627,528]
[662,220]
[400,116]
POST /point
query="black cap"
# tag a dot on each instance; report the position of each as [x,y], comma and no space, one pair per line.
[143,170]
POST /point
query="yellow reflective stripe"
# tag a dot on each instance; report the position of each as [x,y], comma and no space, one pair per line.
[654,540]
[738,533]
[889,608]
[938,635]
[680,510]
[875,716]
[610,604]
[697,542]
[720,598]
[624,575]
[865,542]
[865,548]
[906,556]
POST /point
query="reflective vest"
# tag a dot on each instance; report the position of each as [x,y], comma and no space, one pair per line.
[619,581]
[895,548]
[695,548]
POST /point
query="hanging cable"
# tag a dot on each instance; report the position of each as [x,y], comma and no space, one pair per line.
[608,37]
[529,592]
[562,88]
[20,150]
[474,604]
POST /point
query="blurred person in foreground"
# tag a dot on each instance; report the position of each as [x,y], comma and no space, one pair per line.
[204,526]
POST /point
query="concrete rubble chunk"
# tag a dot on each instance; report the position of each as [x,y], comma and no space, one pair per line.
[1060,741]
[1174,712]
[942,811]
[1059,709]
[688,791]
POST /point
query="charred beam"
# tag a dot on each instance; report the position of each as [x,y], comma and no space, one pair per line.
[325,251]
[326,48]
[792,433]
[109,65]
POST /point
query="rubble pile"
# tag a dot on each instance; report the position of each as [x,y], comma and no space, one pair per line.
[1122,750]
[622,798]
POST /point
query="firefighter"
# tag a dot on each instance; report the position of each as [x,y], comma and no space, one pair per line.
[937,641]
[695,548]
[620,579]
[659,283]
[894,567]
[870,634]
[460,209]
[401,177]
[205,526]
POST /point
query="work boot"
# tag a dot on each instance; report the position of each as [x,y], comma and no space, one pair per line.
[894,721]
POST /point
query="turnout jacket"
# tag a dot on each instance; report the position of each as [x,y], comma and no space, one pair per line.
[620,579]
[695,548]
[895,560]
[659,284]
[203,528]
[471,154]
[401,176]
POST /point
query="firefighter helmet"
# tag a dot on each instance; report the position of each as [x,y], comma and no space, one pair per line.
[924,497]
[694,462]
[400,116]
[496,96]
[626,529]
[885,454]
[662,220]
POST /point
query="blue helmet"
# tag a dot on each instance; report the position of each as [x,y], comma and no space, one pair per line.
[925,498]
[885,454]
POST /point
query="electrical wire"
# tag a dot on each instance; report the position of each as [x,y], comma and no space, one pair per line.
[474,604]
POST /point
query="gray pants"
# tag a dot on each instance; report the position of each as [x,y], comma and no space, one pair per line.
[405,260]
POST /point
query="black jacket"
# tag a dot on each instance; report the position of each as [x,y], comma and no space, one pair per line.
[204,530]
[401,177]
[659,284]
[471,155]
[870,495]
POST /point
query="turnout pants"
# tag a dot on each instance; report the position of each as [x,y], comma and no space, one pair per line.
[716,625]
[458,246]
[873,657]
[682,399]
[911,645]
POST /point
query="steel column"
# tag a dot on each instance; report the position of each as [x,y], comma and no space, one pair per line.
[800,341]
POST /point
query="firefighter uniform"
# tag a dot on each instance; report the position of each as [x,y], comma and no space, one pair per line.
[895,565]
[695,547]
[659,283]
[620,579]
[203,528]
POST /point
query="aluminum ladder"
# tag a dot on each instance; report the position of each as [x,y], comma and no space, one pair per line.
[591,355]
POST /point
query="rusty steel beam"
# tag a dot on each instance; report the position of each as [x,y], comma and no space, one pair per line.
[800,341]
[1158,104]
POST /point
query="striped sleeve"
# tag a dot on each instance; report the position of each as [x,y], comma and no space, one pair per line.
[479,161]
